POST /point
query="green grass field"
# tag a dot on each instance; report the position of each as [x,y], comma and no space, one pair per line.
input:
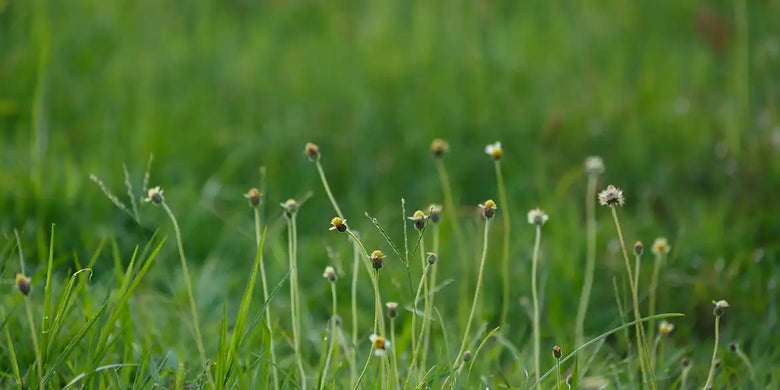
[679,98]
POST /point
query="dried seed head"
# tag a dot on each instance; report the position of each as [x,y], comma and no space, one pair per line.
[665,328]
[717,363]
[338,224]
[639,249]
[494,150]
[661,246]
[594,165]
[23,284]
[254,197]
[719,307]
[312,151]
[733,346]
[611,196]
[432,257]
[377,259]
[392,309]
[154,195]
[569,379]
[434,213]
[685,362]
[537,217]
[419,219]
[557,352]
[290,207]
[330,274]
[488,208]
[379,344]
[439,147]
[467,356]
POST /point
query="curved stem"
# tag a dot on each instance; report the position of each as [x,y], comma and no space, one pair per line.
[505,249]
[353,360]
[535,296]
[711,374]
[365,368]
[416,345]
[190,295]
[331,336]
[327,189]
[268,322]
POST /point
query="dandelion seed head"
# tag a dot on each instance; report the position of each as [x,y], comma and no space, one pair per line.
[312,151]
[537,217]
[594,165]
[611,196]
[439,147]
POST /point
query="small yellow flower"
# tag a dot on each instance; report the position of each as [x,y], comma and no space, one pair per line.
[661,246]
[154,195]
[611,196]
[338,224]
[665,328]
[494,150]
[379,344]
[419,219]
[254,197]
[488,208]
[312,151]
[377,259]
[330,274]
[23,284]
[439,147]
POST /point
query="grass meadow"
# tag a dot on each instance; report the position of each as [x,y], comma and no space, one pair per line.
[210,285]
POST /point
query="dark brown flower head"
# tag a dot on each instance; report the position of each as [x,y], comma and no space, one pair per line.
[638,249]
[254,197]
[467,356]
[312,151]
[154,195]
[419,219]
[434,213]
[611,196]
[330,274]
[733,346]
[23,284]
[432,257]
[290,207]
[377,259]
[392,309]
[557,352]
[439,147]
[685,362]
[488,208]
[569,379]
[338,224]
[719,307]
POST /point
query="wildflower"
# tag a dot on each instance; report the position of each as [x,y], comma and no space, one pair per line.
[594,165]
[290,206]
[419,219]
[569,379]
[488,208]
[312,151]
[338,224]
[432,257]
[665,328]
[611,196]
[661,246]
[733,346]
[557,352]
[434,213]
[494,150]
[719,306]
[377,258]
[330,274]
[392,309]
[439,147]
[537,217]
[23,284]
[467,356]
[639,249]
[379,344]
[154,195]
[254,197]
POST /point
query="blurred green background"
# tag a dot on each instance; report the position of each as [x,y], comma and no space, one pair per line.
[679,97]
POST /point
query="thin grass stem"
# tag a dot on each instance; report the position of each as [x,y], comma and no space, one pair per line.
[711,374]
[535,297]
[294,306]
[505,244]
[353,359]
[652,299]
[396,378]
[268,322]
[34,337]
[590,266]
[331,335]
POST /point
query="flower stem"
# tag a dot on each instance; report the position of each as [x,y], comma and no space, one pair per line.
[431,301]
[644,357]
[34,336]
[659,258]
[294,306]
[327,189]
[268,321]
[558,373]
[396,378]
[416,346]
[331,336]
[426,298]
[379,322]
[365,368]
[353,360]
[590,266]
[191,296]
[459,357]
[506,241]
[535,297]
[711,374]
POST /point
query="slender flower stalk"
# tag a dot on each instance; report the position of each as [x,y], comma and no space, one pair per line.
[155,196]
[593,167]
[734,347]
[353,355]
[416,346]
[379,347]
[290,212]
[717,312]
[330,275]
[489,209]
[23,283]
[637,269]
[254,201]
[434,218]
[686,368]
[613,197]
[660,249]
[496,152]
[557,354]
[392,313]
[536,217]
